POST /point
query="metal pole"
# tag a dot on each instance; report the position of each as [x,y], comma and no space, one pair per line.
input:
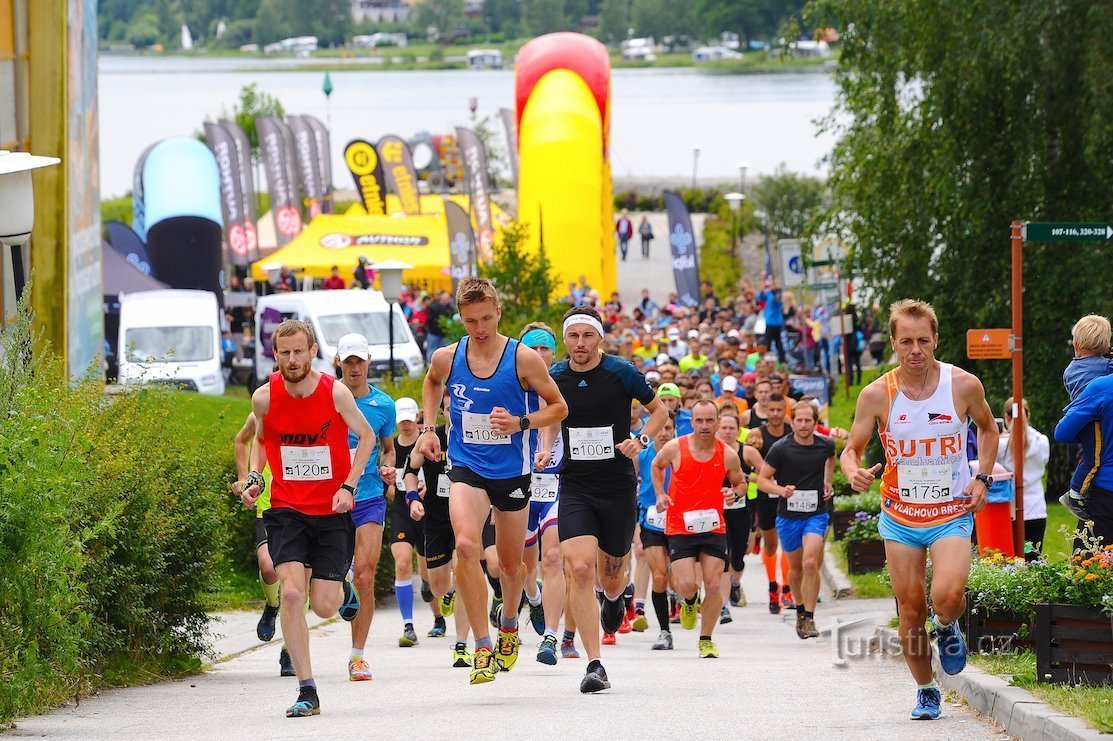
[17,271]
[1019,422]
[695,165]
[390,337]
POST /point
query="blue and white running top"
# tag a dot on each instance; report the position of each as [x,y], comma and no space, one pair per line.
[471,441]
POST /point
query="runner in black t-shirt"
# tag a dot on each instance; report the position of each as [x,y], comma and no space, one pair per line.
[798,469]
[780,593]
[597,481]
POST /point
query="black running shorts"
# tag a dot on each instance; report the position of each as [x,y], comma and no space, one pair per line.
[609,518]
[652,538]
[324,543]
[402,527]
[260,533]
[506,495]
[739,524]
[691,546]
[766,507]
[440,540]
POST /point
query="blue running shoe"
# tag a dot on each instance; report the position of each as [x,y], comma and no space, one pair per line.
[349,608]
[928,703]
[951,645]
[547,651]
[307,704]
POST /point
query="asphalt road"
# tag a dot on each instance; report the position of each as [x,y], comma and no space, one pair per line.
[768,684]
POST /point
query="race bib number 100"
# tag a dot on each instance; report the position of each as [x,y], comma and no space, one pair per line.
[590,443]
[306,464]
[924,484]
[478,430]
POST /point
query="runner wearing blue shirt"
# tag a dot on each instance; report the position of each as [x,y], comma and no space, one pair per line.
[369,511]
[651,531]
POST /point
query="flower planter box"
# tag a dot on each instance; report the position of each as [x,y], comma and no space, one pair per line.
[991,630]
[841,521]
[1073,644]
[864,556]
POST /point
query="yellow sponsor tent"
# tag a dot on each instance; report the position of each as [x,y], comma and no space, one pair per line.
[434,204]
[421,241]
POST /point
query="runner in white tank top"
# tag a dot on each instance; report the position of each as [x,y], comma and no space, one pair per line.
[920,410]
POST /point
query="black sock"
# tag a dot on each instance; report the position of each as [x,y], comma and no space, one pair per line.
[496,586]
[569,636]
[594,665]
[691,601]
[800,610]
[705,638]
[773,586]
[661,608]
[809,615]
[786,589]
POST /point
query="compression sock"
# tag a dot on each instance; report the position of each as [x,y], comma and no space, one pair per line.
[661,608]
[270,591]
[770,568]
[496,586]
[404,590]
[784,568]
[484,642]
[569,636]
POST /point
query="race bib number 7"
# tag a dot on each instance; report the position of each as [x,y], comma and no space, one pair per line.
[701,520]
[478,430]
[925,484]
[306,463]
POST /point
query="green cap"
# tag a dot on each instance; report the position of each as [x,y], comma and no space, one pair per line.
[668,389]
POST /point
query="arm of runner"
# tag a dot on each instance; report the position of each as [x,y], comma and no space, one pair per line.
[260,404]
[534,374]
[544,457]
[658,415]
[829,476]
[737,478]
[753,460]
[343,500]
[768,485]
[989,436]
[243,452]
[665,458]
[867,411]
[432,392]
[387,462]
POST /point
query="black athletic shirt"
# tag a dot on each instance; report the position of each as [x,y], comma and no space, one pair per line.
[433,470]
[802,466]
[401,459]
[768,439]
[599,398]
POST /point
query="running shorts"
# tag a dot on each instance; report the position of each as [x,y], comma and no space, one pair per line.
[506,495]
[765,508]
[323,543]
[609,519]
[923,537]
[691,546]
[792,531]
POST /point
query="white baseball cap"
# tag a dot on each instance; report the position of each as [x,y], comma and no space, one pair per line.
[693,334]
[405,410]
[352,345]
[663,359]
[729,383]
[674,334]
[652,376]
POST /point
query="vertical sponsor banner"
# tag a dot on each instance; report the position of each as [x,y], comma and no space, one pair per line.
[461,242]
[511,141]
[682,241]
[282,187]
[792,263]
[401,178]
[367,171]
[305,149]
[448,152]
[817,386]
[324,159]
[223,148]
[474,156]
[247,188]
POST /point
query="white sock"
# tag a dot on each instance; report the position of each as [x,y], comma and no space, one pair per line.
[929,686]
[357,653]
[535,599]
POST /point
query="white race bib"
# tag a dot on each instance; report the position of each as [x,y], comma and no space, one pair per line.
[803,500]
[306,464]
[701,520]
[443,486]
[740,504]
[400,479]
[924,484]
[545,487]
[591,443]
[478,430]
[653,518]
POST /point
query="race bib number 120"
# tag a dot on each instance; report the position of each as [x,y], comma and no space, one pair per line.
[306,464]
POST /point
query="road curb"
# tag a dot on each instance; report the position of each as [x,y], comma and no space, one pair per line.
[1021,713]
[832,574]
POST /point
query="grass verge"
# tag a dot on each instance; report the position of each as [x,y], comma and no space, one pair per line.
[867,586]
[1094,705]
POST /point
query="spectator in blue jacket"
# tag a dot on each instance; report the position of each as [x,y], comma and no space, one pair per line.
[1088,421]
[770,296]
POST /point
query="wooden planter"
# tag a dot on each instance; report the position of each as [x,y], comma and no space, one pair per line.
[989,630]
[1073,644]
[841,521]
[864,556]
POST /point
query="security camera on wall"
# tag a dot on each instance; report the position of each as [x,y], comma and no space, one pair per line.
[17,198]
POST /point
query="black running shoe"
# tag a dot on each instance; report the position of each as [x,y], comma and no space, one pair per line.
[349,608]
[265,628]
[307,704]
[426,591]
[285,664]
[611,614]
[596,678]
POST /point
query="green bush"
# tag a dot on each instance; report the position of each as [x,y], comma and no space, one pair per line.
[113,531]
[863,527]
[866,501]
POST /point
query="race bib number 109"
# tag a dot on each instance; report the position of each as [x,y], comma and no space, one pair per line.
[478,430]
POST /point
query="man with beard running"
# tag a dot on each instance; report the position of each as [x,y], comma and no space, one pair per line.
[597,481]
[798,469]
[651,531]
[303,421]
[739,513]
[694,521]
[489,377]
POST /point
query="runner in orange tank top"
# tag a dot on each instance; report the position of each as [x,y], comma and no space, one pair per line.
[302,431]
[694,521]
[920,410]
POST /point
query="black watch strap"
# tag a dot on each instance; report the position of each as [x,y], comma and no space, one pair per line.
[350,489]
[523,422]
[985,478]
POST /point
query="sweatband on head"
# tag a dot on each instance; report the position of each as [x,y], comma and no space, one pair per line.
[539,338]
[584,319]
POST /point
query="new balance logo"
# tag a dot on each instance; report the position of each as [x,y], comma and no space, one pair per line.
[517,494]
[582,384]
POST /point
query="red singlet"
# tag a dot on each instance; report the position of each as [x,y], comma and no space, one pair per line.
[696,485]
[307,447]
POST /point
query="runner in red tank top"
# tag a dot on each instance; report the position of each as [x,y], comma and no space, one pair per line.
[694,521]
[302,432]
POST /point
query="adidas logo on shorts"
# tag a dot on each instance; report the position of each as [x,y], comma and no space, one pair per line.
[517,494]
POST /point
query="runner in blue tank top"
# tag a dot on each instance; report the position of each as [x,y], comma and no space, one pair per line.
[489,377]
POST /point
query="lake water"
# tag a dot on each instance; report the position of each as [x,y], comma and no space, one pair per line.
[658,115]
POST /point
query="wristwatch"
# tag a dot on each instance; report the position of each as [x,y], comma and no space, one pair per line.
[985,478]
[350,489]
[643,439]
[523,422]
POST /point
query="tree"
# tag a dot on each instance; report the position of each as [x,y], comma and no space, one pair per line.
[543,16]
[525,281]
[792,202]
[443,15]
[658,18]
[614,20]
[254,103]
[143,28]
[952,124]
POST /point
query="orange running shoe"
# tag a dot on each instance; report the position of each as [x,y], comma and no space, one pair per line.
[626,626]
[609,639]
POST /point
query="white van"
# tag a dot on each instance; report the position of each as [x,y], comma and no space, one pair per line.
[171,337]
[333,314]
